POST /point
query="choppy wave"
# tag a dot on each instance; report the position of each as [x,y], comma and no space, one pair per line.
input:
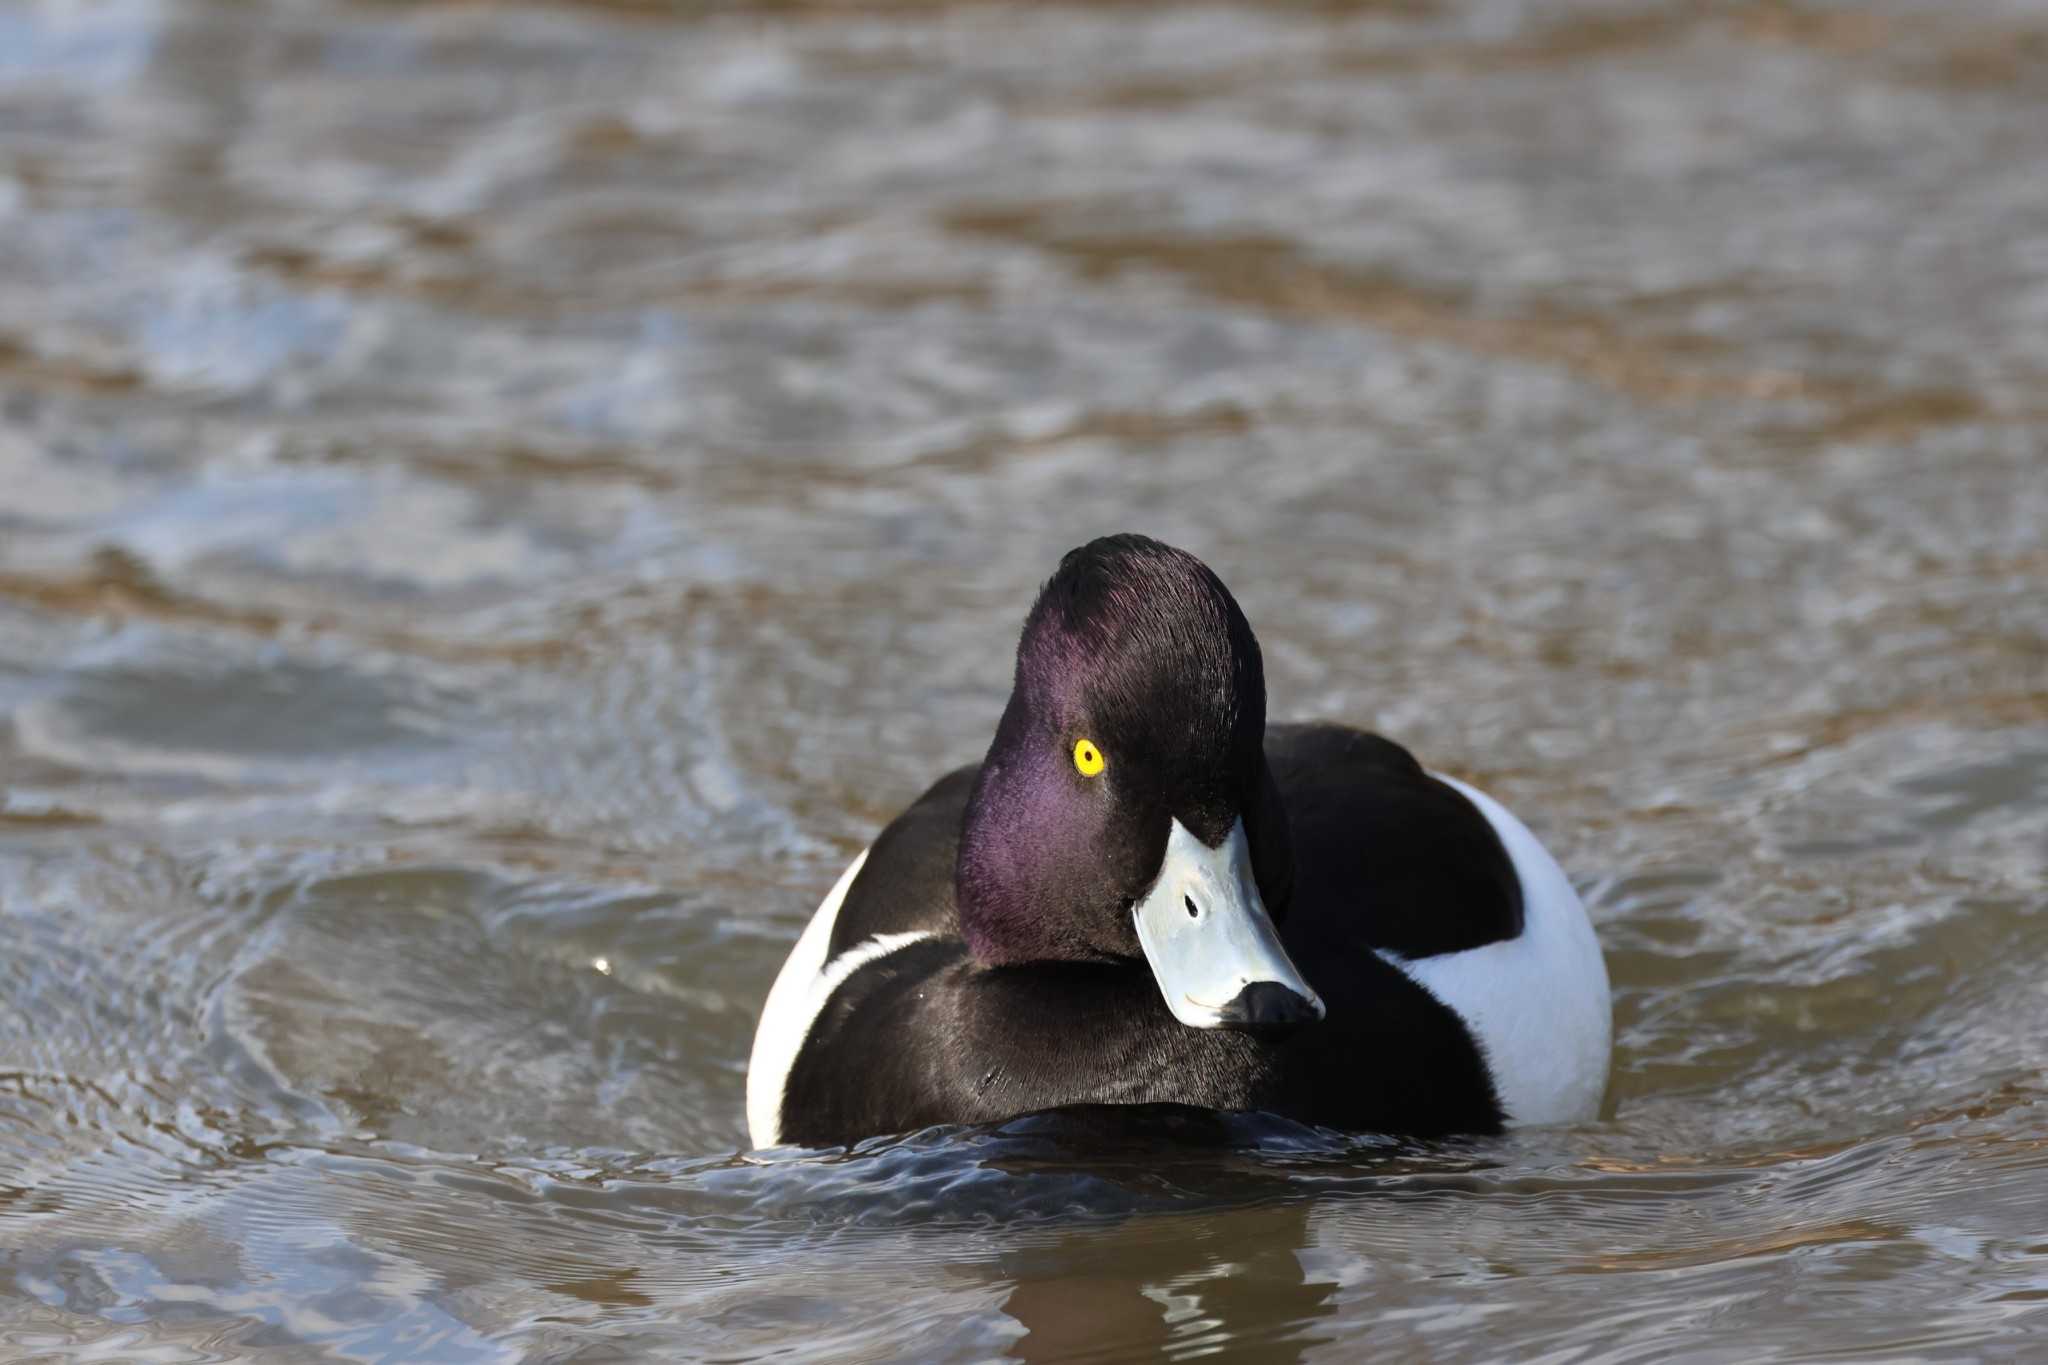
[501,501]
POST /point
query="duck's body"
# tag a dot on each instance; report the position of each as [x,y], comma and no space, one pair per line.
[1426,969]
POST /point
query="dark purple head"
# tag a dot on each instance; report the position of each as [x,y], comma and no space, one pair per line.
[1138,717]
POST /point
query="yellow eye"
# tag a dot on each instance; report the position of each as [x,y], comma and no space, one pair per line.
[1087,757]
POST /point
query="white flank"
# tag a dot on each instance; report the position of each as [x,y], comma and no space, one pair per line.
[1539,1003]
[801,989]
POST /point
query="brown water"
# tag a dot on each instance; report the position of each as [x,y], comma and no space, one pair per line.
[501,502]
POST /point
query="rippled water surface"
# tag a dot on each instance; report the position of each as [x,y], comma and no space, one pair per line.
[498,503]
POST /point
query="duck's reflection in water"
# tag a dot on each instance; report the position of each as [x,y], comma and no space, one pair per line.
[1169,1288]
[1199,1264]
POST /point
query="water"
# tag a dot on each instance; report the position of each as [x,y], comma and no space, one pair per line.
[502,501]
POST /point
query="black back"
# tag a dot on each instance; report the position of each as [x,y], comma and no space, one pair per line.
[906,885]
[1386,857]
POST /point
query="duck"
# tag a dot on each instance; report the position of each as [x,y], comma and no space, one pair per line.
[1146,895]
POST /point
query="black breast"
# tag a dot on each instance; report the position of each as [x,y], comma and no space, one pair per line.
[923,1036]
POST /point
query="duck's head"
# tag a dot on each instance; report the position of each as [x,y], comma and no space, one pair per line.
[1125,812]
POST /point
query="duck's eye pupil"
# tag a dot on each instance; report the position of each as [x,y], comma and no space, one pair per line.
[1087,758]
[1194,912]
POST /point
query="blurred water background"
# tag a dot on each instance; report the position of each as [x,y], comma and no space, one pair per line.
[499,502]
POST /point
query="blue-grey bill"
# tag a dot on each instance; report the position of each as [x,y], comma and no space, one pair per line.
[1206,933]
